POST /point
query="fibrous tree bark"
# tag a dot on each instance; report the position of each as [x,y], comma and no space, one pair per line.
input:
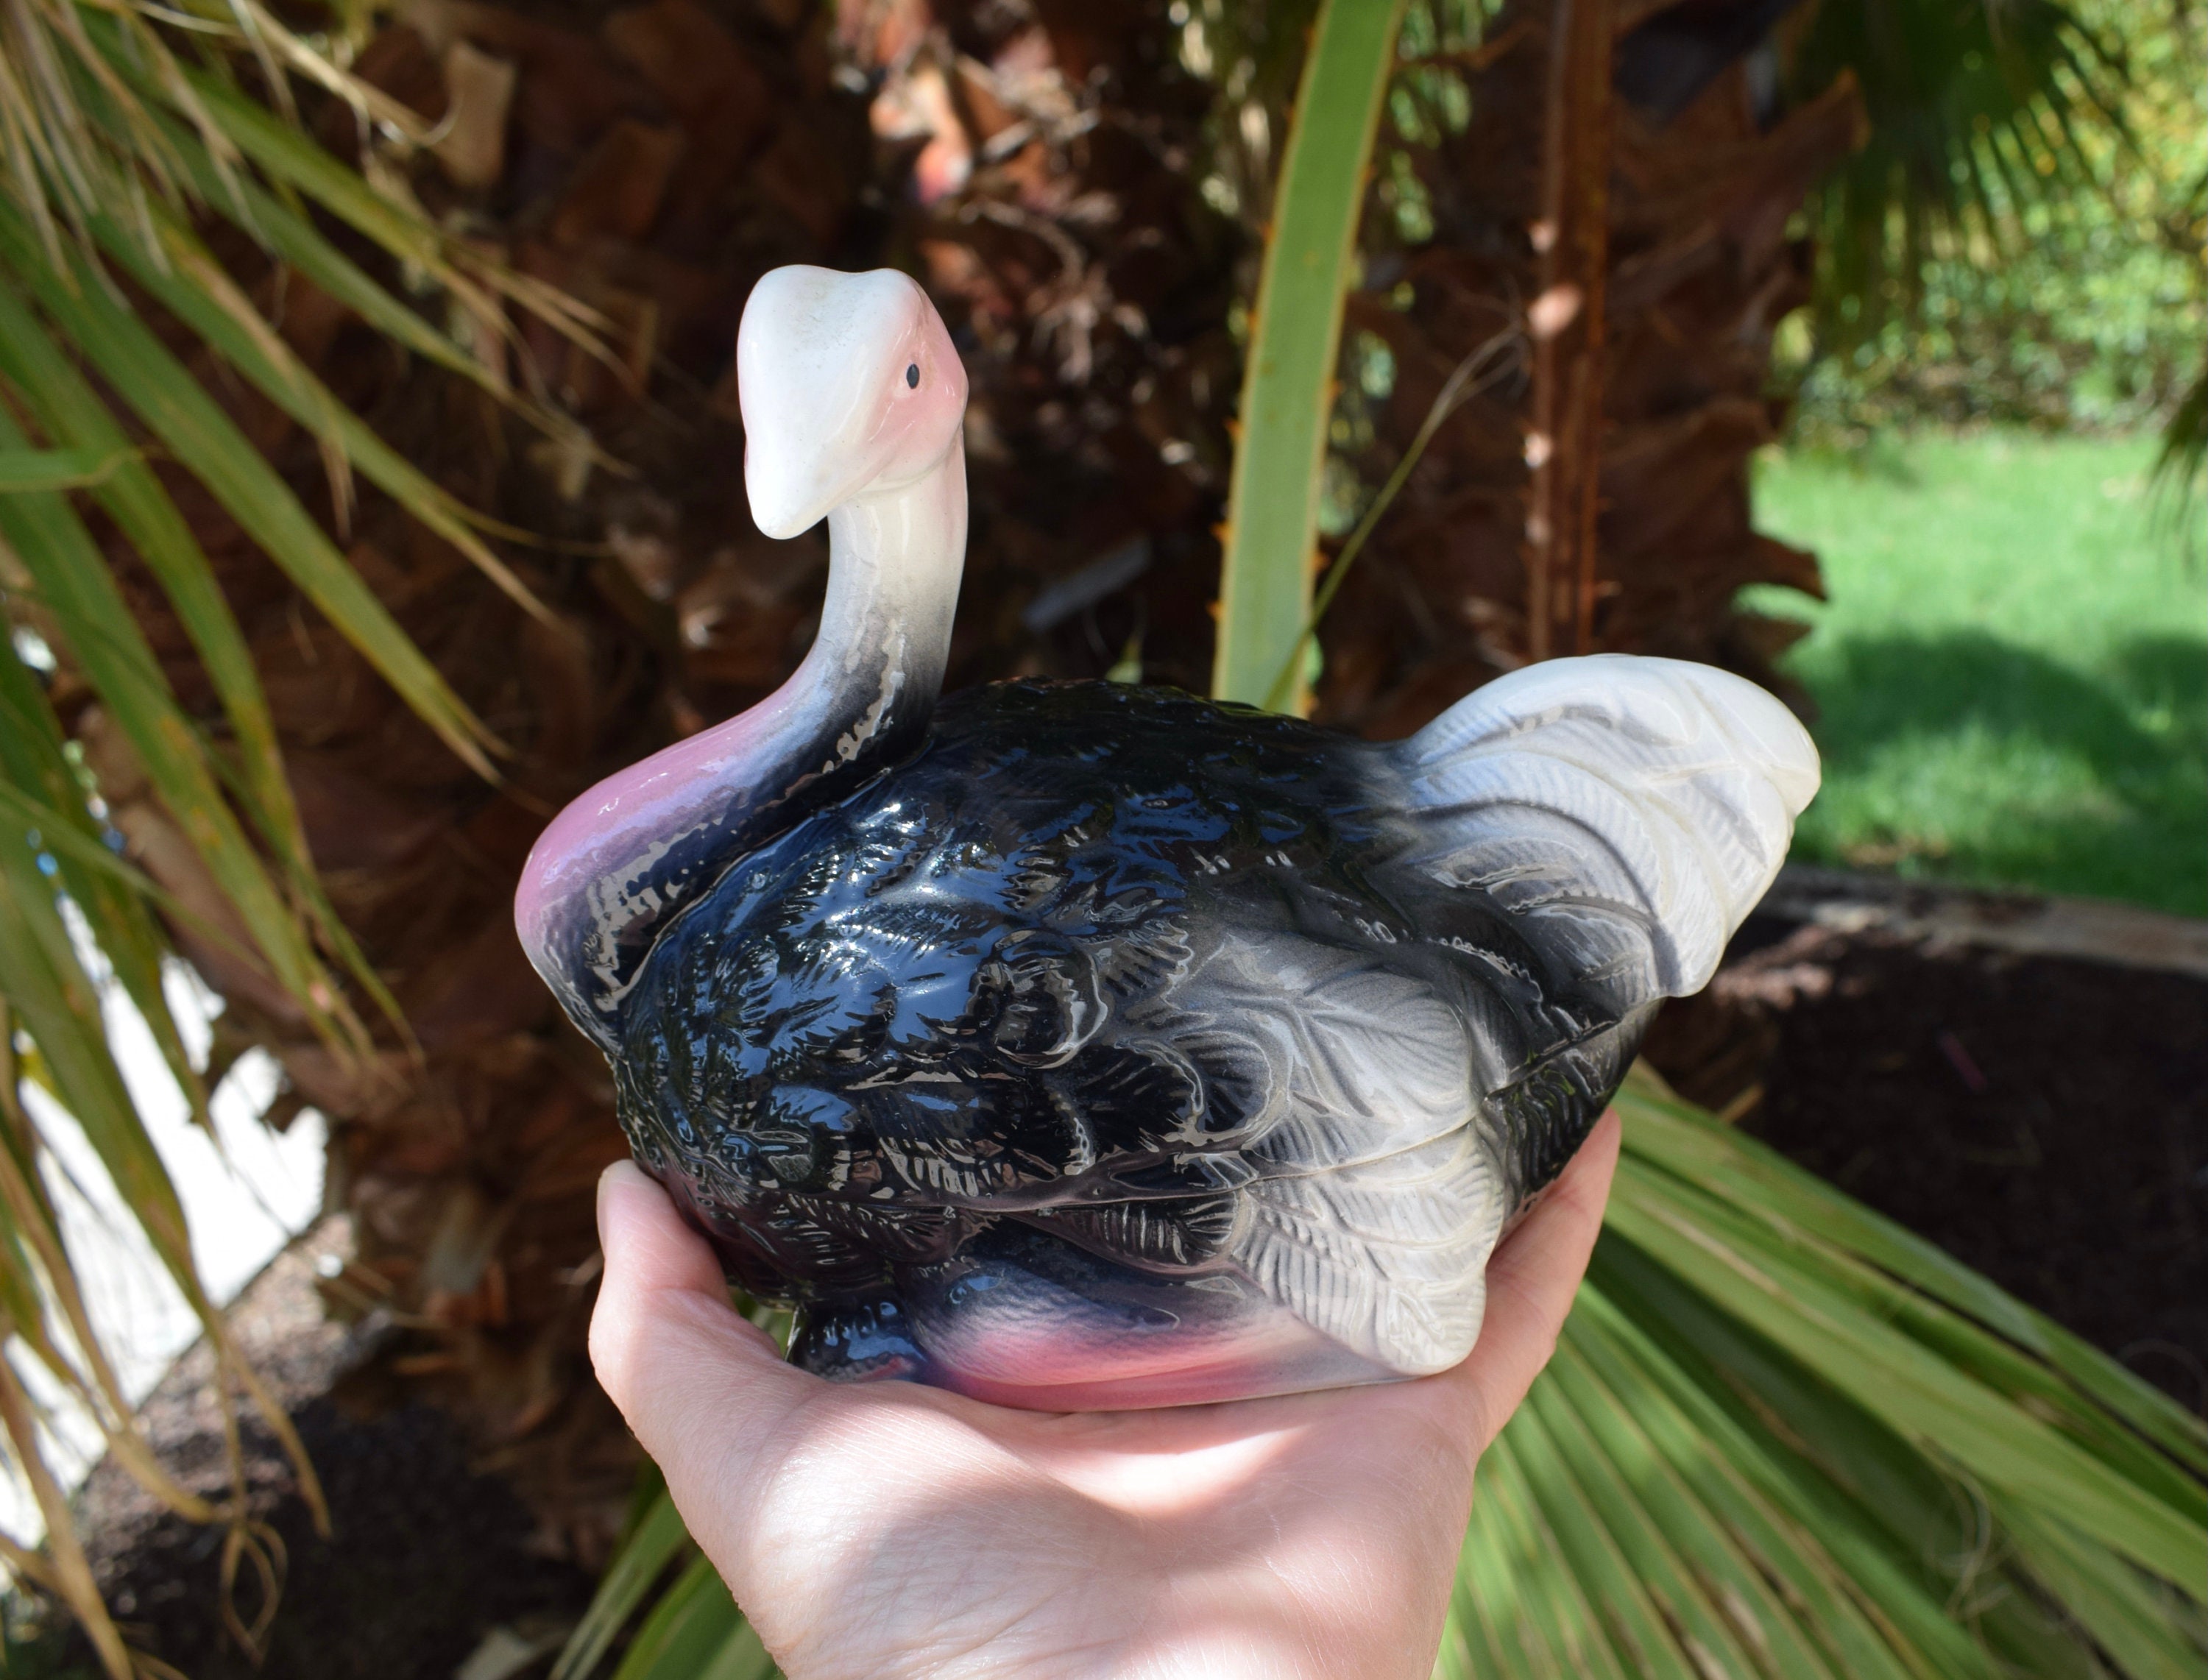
[1563,448]
[1640,392]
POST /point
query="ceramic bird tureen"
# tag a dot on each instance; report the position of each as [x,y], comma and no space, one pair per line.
[1078,1045]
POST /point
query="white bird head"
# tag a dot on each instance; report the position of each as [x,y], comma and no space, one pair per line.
[849,386]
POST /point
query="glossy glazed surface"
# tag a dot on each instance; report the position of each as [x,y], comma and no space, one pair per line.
[1085,1045]
[852,396]
[1117,1048]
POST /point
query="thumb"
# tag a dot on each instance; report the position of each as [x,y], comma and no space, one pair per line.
[697,1383]
[1532,1279]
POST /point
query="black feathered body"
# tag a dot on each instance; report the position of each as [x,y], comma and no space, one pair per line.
[1117,1046]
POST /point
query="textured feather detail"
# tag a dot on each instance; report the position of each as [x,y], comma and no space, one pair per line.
[1376,1198]
[1388,1255]
[1635,809]
[1326,1058]
[1110,990]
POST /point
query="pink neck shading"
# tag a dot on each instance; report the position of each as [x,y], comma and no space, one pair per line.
[645,843]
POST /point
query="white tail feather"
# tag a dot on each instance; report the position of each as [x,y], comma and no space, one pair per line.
[1635,808]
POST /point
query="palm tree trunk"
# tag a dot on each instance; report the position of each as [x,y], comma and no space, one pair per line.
[1566,320]
[1641,396]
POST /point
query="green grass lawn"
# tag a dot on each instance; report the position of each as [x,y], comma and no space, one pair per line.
[2013,670]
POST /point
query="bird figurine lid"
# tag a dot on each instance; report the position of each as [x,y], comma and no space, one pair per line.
[1086,1044]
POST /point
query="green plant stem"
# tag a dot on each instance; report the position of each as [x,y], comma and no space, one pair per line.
[1454,393]
[1295,335]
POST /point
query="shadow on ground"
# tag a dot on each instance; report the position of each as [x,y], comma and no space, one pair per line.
[2127,817]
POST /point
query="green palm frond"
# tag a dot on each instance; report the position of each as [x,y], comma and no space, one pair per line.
[655,1541]
[1820,1447]
[695,1630]
[1976,113]
[125,130]
[2180,471]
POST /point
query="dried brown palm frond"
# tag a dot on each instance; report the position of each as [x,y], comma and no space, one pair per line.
[147,799]
[1056,211]
[1693,269]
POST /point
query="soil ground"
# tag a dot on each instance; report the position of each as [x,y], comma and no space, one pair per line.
[2044,1120]
[426,1559]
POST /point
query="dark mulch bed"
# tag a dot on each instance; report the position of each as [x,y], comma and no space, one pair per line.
[2044,1120]
[426,1557]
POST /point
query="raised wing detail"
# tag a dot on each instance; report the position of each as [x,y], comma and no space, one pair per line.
[1633,809]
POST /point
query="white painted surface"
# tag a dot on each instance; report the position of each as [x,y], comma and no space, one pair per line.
[246,1192]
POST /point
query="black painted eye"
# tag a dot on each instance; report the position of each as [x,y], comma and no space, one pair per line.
[912,375]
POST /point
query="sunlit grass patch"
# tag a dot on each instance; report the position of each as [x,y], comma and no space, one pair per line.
[2013,672]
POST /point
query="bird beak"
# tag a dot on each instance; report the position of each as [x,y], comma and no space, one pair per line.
[794,484]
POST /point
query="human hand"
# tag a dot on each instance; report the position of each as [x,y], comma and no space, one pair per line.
[886,1530]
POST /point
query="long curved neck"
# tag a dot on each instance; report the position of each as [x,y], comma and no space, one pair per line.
[642,844]
[877,664]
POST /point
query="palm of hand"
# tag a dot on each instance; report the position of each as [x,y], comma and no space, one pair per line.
[890,1531]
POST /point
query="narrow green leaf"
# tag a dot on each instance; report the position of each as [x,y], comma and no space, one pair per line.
[40,1277]
[39,787]
[75,585]
[248,127]
[1673,1133]
[1945,1410]
[30,1245]
[2123,1612]
[1758,1180]
[1295,337]
[1881,1502]
[293,238]
[1520,1588]
[2035,1386]
[292,157]
[743,1657]
[59,1007]
[1633,1609]
[71,411]
[292,388]
[54,469]
[1855,1595]
[696,1633]
[1660,1514]
[87,870]
[657,1539]
[201,437]
[1656,1554]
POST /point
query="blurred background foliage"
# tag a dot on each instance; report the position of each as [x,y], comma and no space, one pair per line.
[2059,283]
[2032,711]
[2000,404]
